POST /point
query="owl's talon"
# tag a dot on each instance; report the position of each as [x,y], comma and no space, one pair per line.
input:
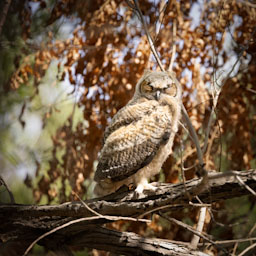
[137,195]
[150,187]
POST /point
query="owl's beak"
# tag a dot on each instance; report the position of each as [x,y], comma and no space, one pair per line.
[157,95]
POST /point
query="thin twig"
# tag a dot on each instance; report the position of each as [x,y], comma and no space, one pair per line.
[234,249]
[194,136]
[252,230]
[86,206]
[199,205]
[172,205]
[218,175]
[8,190]
[192,230]
[209,125]
[160,20]
[183,176]
[152,47]
[242,240]
[186,130]
[202,214]
[199,227]
[187,227]
[158,26]
[210,143]
[251,90]
[174,31]
[246,186]
[247,249]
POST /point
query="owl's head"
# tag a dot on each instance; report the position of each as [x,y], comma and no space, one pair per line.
[159,86]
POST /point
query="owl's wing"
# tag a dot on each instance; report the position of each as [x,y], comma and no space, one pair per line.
[128,114]
[132,147]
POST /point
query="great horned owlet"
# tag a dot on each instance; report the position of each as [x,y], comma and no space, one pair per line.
[140,135]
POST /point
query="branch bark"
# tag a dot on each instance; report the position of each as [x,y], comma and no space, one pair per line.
[22,224]
[128,243]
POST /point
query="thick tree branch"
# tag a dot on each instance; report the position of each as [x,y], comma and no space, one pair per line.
[22,224]
[127,243]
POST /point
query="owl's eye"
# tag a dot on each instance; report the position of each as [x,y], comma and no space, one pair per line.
[146,87]
[171,90]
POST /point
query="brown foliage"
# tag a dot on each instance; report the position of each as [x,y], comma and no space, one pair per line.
[106,56]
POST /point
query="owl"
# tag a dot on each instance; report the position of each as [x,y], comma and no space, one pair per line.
[140,135]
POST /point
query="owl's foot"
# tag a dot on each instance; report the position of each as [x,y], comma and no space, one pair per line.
[138,193]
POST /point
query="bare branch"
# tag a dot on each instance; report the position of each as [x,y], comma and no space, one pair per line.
[86,206]
[194,136]
[174,31]
[246,186]
[2,182]
[199,228]
[242,240]
[152,47]
[189,228]
[247,249]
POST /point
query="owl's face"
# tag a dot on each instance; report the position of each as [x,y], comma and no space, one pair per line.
[159,86]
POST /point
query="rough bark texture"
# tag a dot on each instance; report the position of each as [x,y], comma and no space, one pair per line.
[128,243]
[22,224]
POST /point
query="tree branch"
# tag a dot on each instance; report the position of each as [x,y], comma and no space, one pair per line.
[22,224]
[128,243]
[2,182]
[151,43]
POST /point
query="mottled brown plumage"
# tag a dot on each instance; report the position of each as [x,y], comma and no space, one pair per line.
[140,136]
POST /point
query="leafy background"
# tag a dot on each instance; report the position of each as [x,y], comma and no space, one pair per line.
[68,66]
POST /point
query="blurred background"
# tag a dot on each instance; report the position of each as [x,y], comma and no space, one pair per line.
[66,67]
